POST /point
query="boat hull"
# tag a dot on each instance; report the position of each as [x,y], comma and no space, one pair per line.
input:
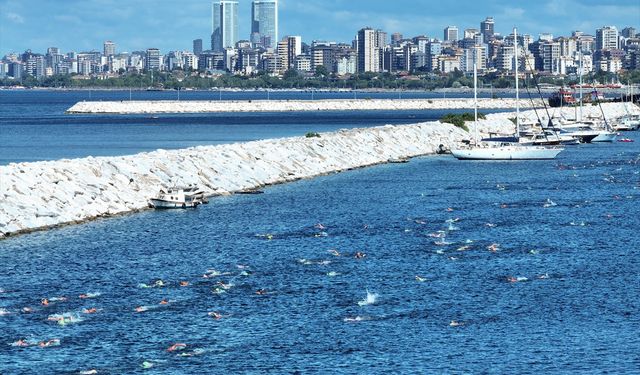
[508,153]
[605,137]
[166,205]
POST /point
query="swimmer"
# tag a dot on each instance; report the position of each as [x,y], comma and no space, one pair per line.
[177,347]
[354,320]
[164,302]
[192,353]
[493,247]
[44,302]
[89,295]
[320,226]
[92,310]
[140,309]
[48,343]
[215,315]
[147,365]
[184,283]
[22,343]
[218,290]
[334,252]
[455,323]
[261,292]
[360,255]
[420,279]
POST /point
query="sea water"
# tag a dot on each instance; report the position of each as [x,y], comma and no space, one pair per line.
[559,293]
[34,126]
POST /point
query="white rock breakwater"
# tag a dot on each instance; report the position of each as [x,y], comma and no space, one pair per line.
[155,107]
[44,194]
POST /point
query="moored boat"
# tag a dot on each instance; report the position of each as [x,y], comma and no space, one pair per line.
[178,197]
[504,150]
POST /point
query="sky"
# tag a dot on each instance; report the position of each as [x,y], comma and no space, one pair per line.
[83,25]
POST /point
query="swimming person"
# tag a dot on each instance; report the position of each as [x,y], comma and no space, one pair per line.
[177,347]
[48,343]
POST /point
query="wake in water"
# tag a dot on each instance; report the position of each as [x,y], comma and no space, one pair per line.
[371,299]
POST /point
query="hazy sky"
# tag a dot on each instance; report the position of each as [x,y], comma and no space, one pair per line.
[81,25]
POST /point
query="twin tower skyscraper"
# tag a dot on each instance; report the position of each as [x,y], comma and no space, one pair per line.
[264,24]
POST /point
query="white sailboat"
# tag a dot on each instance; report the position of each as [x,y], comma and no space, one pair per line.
[602,132]
[504,150]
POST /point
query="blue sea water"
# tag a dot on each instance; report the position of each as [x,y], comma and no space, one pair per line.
[561,293]
[33,125]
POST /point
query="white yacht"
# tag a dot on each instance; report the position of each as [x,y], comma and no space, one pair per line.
[507,151]
[178,197]
[504,150]
[628,122]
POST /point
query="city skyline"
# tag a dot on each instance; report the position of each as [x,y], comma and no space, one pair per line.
[142,25]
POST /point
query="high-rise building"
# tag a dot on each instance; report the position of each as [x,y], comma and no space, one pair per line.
[487,28]
[153,60]
[471,33]
[264,23]
[396,38]
[368,51]
[288,49]
[629,32]
[451,33]
[197,47]
[109,48]
[224,32]
[607,38]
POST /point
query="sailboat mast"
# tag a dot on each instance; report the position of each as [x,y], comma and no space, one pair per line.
[580,119]
[515,42]
[475,98]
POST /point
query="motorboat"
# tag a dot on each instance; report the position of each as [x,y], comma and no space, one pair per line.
[178,197]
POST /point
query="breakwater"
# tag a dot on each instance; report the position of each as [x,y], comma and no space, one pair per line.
[45,194]
[156,107]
